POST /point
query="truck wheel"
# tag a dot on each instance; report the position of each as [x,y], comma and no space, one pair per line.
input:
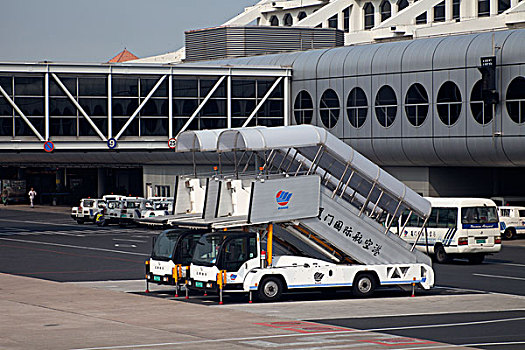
[80,221]
[441,255]
[476,258]
[509,233]
[364,285]
[270,289]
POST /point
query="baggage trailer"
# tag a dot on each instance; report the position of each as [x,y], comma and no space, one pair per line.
[320,191]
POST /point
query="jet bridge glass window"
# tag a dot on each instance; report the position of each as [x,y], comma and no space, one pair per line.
[357,107]
[386,10]
[386,106]
[92,97]
[329,108]
[481,112]
[368,11]
[28,95]
[516,100]
[6,110]
[449,103]
[416,104]
[303,108]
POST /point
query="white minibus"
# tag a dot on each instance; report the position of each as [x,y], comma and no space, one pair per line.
[457,228]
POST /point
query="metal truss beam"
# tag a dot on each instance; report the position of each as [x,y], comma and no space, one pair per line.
[210,94]
[259,105]
[152,91]
[13,104]
[79,107]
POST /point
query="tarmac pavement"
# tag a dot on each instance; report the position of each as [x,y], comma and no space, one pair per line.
[39,314]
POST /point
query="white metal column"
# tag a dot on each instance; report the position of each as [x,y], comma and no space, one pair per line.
[46,104]
[229,100]
[286,101]
[170,104]
[110,104]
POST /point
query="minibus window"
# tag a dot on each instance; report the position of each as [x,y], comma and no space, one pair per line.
[447,217]
[521,213]
[478,215]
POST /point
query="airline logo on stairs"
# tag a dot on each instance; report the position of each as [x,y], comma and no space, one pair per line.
[282,198]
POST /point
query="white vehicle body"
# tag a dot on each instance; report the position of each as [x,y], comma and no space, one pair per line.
[457,227]
[111,213]
[132,208]
[511,221]
[158,208]
[88,209]
[294,272]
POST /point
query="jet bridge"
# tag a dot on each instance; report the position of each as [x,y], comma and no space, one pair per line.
[315,186]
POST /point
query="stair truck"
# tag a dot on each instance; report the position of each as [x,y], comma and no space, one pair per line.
[320,190]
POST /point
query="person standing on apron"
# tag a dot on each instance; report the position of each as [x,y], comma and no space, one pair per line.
[32,195]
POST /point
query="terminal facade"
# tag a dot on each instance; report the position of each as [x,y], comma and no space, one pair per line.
[415,107]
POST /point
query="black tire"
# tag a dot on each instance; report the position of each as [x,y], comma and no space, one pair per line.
[509,234]
[440,254]
[80,221]
[364,285]
[476,258]
[270,289]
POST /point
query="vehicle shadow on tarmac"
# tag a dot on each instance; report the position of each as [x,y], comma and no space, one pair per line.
[340,294]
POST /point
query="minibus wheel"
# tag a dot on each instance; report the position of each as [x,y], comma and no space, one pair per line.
[441,256]
[509,233]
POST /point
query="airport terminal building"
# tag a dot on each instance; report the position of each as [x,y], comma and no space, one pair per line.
[409,95]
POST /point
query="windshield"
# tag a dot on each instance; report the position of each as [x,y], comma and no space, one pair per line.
[88,203]
[165,244]
[133,204]
[113,204]
[161,206]
[479,215]
[207,250]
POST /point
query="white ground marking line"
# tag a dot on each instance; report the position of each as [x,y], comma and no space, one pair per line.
[40,222]
[439,325]
[499,276]
[446,346]
[72,246]
[482,291]
[128,240]
[509,264]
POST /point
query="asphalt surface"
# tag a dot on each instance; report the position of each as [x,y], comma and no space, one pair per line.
[51,246]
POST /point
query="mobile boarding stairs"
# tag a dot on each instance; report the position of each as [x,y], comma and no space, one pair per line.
[310,183]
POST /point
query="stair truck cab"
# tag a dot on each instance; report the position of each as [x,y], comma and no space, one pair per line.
[234,261]
[457,228]
[87,210]
[171,256]
[511,221]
